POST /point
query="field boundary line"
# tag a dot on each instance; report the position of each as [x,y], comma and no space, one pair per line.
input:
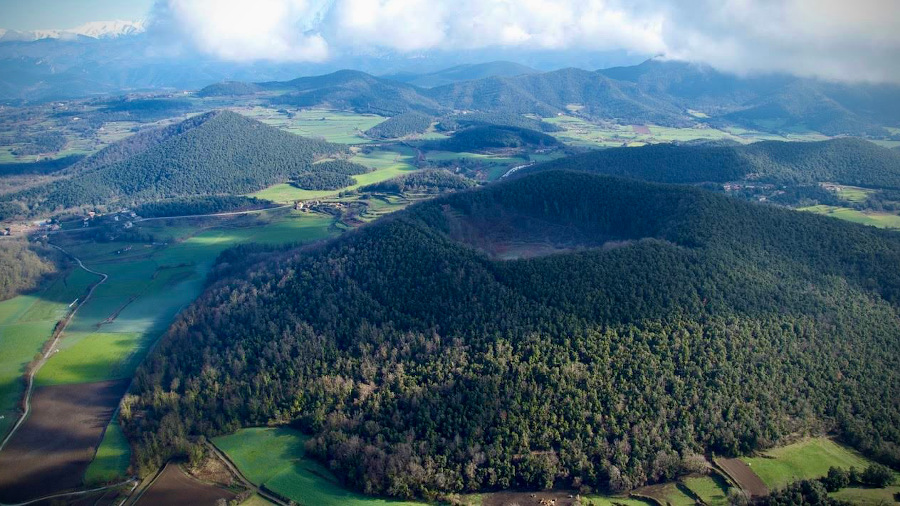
[29,390]
[237,472]
[77,492]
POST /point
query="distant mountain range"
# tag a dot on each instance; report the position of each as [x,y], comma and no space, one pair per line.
[459,73]
[94,30]
[656,92]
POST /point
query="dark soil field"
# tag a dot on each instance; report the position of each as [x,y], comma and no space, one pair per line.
[55,445]
[528,498]
[741,473]
[175,488]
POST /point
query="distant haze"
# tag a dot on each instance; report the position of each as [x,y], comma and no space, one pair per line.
[830,39]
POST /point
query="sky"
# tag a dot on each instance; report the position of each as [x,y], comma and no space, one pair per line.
[832,39]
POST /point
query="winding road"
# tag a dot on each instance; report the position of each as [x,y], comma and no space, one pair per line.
[57,334]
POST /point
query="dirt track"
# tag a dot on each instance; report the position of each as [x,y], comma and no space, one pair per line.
[56,443]
[174,488]
[740,472]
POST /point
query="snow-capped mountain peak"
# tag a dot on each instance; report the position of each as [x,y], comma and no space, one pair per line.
[94,29]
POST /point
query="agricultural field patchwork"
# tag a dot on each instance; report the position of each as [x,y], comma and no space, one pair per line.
[275,458]
[112,459]
[342,127]
[804,460]
[875,219]
[712,489]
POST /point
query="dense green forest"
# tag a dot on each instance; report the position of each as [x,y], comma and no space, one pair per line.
[215,153]
[427,180]
[204,204]
[23,266]
[400,126]
[229,89]
[321,180]
[642,324]
[39,143]
[846,161]
[478,138]
[455,122]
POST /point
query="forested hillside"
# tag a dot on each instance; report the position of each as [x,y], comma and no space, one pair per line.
[400,126]
[491,137]
[560,329]
[348,89]
[217,153]
[846,161]
[23,266]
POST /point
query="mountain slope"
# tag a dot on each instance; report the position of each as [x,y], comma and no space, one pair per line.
[460,73]
[845,161]
[549,93]
[667,321]
[218,153]
[349,89]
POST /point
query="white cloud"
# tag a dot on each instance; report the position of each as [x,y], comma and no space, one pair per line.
[827,38]
[257,30]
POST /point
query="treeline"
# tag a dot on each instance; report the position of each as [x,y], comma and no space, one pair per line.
[44,166]
[23,266]
[39,143]
[478,138]
[329,175]
[455,122]
[426,181]
[216,153]
[421,366]
[205,204]
[815,492]
[845,161]
[409,123]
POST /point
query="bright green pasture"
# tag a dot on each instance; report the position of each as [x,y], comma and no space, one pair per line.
[807,459]
[713,489]
[276,458]
[875,219]
[26,324]
[112,332]
[112,459]
[387,164]
[868,496]
[334,126]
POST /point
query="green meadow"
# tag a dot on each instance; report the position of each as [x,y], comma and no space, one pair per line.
[806,459]
[386,164]
[712,489]
[342,127]
[875,219]
[276,458]
[112,458]
[26,324]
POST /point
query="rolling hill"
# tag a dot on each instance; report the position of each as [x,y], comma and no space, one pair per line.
[218,153]
[468,72]
[845,161]
[483,137]
[561,329]
[349,89]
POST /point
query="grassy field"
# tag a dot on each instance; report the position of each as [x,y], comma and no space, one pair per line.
[868,496]
[881,220]
[334,126]
[386,164]
[713,489]
[612,501]
[26,324]
[112,459]
[666,493]
[275,457]
[113,331]
[807,459]
[580,132]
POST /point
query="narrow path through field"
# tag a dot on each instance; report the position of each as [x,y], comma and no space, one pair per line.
[232,213]
[29,379]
